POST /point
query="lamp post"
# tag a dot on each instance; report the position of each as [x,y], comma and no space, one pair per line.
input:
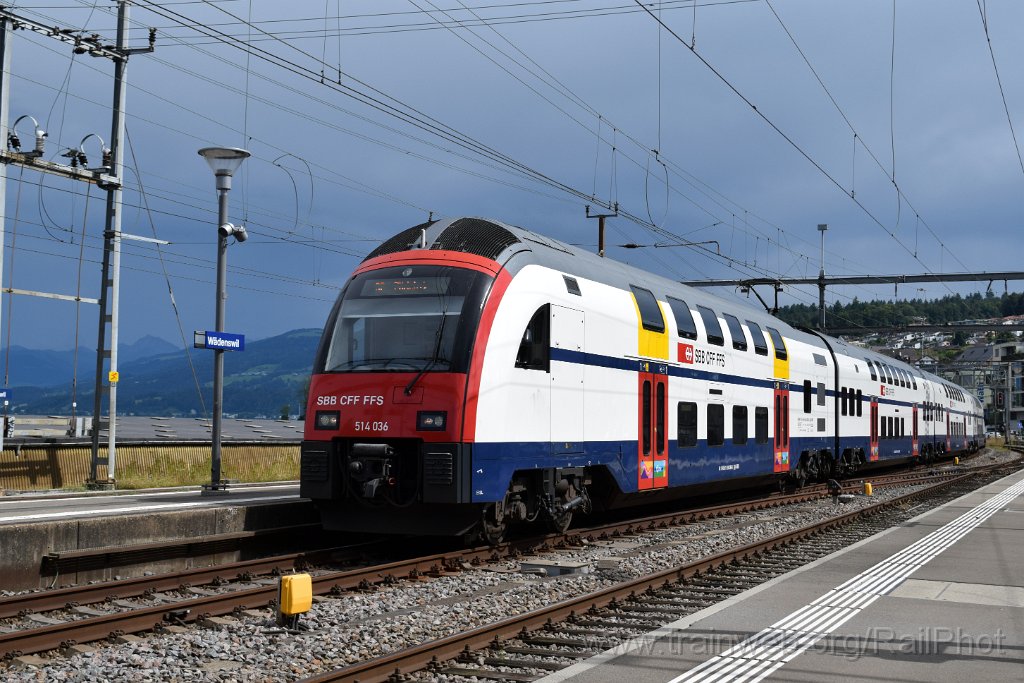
[223,161]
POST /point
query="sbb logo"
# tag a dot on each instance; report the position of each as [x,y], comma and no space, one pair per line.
[686,353]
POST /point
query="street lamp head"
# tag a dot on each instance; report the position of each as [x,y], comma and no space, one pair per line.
[224,161]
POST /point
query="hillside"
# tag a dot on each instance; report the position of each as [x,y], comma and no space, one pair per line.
[948,309]
[259,381]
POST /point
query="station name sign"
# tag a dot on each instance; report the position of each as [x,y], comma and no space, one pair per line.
[223,341]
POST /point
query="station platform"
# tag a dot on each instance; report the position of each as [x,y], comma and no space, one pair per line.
[41,532]
[940,597]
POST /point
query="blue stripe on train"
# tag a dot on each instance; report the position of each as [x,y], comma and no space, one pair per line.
[663,368]
[494,463]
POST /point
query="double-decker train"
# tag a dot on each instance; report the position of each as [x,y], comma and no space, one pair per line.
[474,375]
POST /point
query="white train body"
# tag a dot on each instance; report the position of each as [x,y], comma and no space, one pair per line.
[584,381]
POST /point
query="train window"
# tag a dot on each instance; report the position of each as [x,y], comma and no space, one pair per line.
[535,346]
[785,420]
[903,377]
[645,428]
[739,342]
[650,311]
[807,395]
[404,319]
[684,318]
[711,326]
[659,418]
[572,286]
[884,433]
[739,424]
[842,399]
[778,343]
[903,426]
[821,394]
[913,381]
[860,407]
[871,368]
[716,424]
[892,427]
[686,414]
[778,420]
[761,424]
[760,346]
[819,359]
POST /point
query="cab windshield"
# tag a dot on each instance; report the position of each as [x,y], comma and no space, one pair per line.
[405,319]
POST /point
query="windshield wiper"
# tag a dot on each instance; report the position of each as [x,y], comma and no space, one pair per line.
[436,357]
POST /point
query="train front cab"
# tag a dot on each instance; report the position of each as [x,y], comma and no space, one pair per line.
[387,403]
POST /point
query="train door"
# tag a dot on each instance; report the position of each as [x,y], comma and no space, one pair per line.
[914,448]
[781,440]
[567,398]
[652,427]
[873,429]
[948,435]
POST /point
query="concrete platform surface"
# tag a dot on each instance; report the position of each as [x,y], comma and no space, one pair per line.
[939,598]
[36,528]
[28,508]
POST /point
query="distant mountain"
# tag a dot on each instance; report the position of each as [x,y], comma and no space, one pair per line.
[144,348]
[48,368]
[258,381]
[31,367]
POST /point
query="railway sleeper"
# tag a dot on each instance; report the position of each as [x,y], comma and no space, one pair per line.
[679,602]
[488,674]
[542,652]
[673,611]
[526,663]
[557,641]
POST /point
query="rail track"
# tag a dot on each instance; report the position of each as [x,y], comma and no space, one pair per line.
[60,619]
[527,646]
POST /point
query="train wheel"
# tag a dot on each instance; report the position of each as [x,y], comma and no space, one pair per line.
[492,530]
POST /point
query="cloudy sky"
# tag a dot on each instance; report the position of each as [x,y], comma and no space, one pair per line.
[739,124]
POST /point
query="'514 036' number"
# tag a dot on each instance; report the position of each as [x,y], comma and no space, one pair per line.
[375,426]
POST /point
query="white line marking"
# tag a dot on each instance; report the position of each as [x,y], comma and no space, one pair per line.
[759,656]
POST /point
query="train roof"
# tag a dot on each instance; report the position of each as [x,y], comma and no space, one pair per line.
[515,248]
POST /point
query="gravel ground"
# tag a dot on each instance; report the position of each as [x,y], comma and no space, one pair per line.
[358,626]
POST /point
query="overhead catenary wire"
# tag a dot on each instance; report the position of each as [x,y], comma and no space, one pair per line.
[167,278]
[890,174]
[800,150]
[983,10]
[779,241]
[635,162]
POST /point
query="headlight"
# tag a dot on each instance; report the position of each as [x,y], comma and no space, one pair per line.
[327,419]
[431,421]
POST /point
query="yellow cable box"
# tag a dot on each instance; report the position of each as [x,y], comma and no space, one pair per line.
[296,594]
